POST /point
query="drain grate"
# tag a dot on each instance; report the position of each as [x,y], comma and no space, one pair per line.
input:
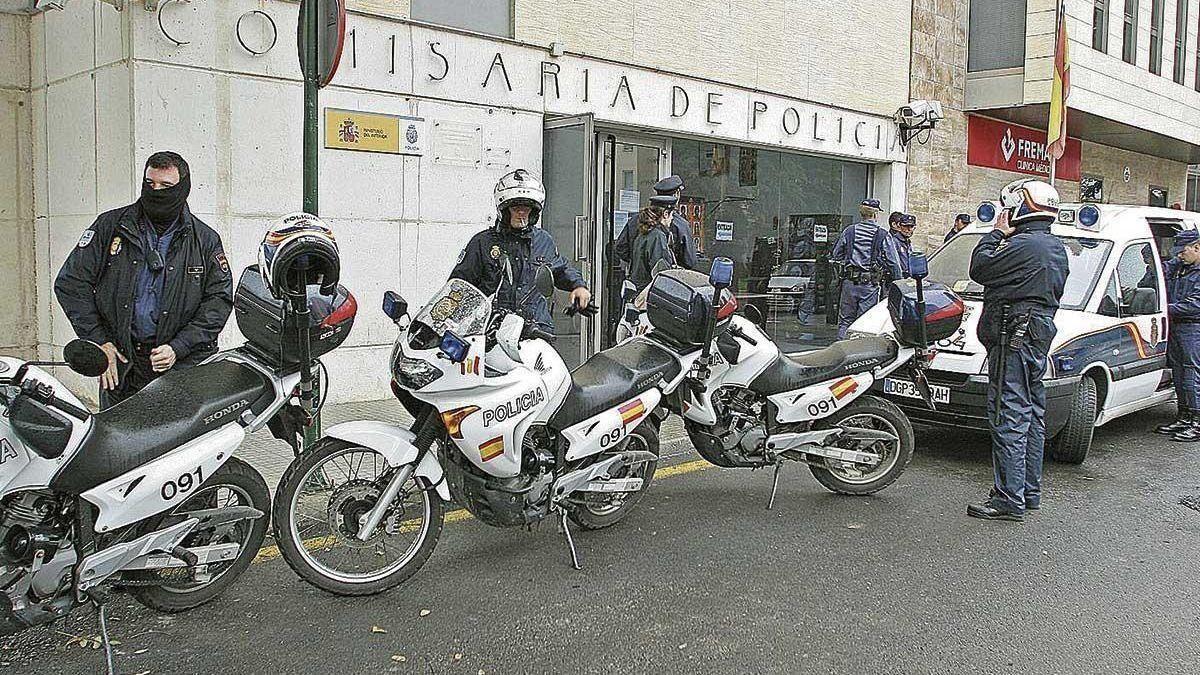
[1191,501]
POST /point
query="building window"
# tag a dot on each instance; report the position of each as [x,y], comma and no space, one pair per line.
[1091,189]
[996,37]
[1100,25]
[494,17]
[1158,196]
[1129,46]
[1156,37]
[1181,16]
[1193,192]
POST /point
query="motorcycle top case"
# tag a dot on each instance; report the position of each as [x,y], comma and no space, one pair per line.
[679,303]
[943,311]
[272,333]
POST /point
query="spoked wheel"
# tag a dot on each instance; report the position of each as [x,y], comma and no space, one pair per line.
[176,589]
[594,510]
[877,414]
[322,499]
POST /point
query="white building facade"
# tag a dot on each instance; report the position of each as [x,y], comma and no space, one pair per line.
[778,119]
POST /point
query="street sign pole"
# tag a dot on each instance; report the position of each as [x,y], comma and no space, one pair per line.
[320,34]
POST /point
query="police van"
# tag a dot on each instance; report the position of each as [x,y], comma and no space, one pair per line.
[1109,357]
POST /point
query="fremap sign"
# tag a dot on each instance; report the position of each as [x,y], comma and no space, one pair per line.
[1011,147]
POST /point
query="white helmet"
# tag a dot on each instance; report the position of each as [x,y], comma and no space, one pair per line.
[1028,200]
[519,188]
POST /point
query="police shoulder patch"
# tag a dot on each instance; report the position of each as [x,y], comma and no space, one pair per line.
[221,261]
[86,238]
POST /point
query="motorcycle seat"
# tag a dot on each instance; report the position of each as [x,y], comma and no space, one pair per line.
[612,376]
[847,357]
[178,407]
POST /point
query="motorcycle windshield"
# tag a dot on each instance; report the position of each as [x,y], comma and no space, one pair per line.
[457,306]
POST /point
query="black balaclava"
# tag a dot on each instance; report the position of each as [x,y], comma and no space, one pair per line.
[163,207]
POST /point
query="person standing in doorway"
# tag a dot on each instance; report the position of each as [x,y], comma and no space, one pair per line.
[1183,339]
[651,246]
[866,255]
[960,221]
[148,282]
[902,232]
[683,244]
[1023,270]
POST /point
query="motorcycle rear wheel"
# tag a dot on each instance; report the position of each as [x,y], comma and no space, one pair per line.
[598,511]
[875,413]
[235,483]
[315,479]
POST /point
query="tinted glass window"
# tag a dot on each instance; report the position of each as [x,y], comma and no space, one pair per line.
[1137,278]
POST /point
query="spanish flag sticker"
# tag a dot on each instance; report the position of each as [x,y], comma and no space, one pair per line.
[492,449]
[630,412]
[469,367]
[843,388]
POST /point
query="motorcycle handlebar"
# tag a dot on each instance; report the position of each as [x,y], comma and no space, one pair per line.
[589,310]
[739,333]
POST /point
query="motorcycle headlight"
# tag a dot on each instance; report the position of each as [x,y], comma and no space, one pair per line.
[414,374]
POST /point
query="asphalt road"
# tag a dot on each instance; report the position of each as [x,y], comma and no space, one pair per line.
[702,579]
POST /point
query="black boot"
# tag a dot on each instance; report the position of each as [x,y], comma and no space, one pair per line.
[1189,435]
[988,511]
[1182,422]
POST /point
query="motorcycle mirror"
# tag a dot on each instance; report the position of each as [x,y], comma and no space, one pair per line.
[85,358]
[918,265]
[394,306]
[508,336]
[755,315]
[543,280]
[721,274]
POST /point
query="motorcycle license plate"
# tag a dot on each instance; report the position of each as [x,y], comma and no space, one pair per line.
[909,390]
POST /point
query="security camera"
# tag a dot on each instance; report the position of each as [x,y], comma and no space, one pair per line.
[916,117]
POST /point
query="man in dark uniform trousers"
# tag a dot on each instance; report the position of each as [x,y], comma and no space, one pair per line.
[1023,270]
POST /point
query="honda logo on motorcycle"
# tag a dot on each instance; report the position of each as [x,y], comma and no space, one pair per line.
[514,407]
[226,411]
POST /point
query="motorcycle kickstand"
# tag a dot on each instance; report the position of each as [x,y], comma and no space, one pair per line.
[562,526]
[774,484]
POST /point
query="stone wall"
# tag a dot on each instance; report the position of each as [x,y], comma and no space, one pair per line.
[18,331]
[938,178]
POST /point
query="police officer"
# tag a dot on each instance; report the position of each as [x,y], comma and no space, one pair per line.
[867,257]
[502,259]
[683,244]
[1023,270]
[148,282]
[960,221]
[1183,342]
[902,231]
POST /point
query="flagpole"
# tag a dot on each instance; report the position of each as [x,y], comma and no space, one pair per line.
[1052,167]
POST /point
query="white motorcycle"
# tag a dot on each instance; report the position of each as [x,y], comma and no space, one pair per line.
[502,427]
[746,404]
[145,495]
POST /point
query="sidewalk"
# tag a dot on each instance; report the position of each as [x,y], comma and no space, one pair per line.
[271,456]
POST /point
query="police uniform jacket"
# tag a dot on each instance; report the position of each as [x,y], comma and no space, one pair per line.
[97,284]
[1026,271]
[867,246]
[481,264]
[903,252]
[1183,292]
[682,243]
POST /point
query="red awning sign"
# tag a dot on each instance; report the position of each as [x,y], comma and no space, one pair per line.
[1012,147]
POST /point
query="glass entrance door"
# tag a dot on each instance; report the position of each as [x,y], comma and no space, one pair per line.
[569,174]
[631,167]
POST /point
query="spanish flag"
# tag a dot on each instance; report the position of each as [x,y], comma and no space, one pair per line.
[843,388]
[492,449]
[1056,134]
[630,412]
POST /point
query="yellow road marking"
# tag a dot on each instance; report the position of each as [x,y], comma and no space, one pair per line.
[271,552]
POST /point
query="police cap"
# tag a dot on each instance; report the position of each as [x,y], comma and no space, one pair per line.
[1187,237]
[668,185]
[964,218]
[872,204]
[664,201]
[907,220]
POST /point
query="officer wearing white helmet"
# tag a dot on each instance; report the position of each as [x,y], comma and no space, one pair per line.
[1023,270]
[503,258]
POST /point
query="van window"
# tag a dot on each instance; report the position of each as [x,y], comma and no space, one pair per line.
[951,265]
[1137,281]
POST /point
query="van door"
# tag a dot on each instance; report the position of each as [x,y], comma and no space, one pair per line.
[1136,294]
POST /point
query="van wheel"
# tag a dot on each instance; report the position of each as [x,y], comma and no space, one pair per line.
[1071,445]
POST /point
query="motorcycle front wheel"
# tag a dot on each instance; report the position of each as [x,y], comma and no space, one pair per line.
[322,496]
[849,478]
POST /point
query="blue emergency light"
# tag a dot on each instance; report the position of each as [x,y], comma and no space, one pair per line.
[987,212]
[454,347]
[721,274]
